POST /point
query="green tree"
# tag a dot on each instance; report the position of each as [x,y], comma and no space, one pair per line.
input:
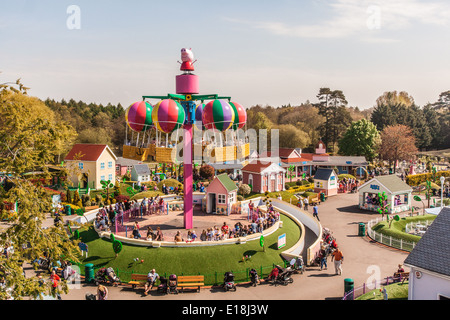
[332,106]
[28,132]
[244,189]
[361,139]
[292,137]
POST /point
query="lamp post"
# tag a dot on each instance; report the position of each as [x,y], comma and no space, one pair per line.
[442,190]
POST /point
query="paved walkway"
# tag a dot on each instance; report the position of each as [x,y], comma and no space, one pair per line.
[363,260]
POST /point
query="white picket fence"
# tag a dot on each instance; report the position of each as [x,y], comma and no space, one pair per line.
[388,240]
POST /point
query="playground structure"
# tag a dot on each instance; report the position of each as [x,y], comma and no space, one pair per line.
[211,132]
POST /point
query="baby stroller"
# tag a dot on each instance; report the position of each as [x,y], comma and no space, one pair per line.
[90,296]
[280,275]
[173,284]
[284,277]
[229,281]
[254,277]
[163,287]
[106,275]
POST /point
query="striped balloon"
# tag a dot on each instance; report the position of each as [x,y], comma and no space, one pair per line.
[240,116]
[139,116]
[218,114]
[168,115]
[199,115]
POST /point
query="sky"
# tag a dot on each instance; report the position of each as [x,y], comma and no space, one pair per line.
[256,51]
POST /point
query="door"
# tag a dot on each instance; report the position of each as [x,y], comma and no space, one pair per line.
[211,203]
[84,183]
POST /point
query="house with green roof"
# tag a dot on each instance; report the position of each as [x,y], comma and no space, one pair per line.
[397,191]
[221,194]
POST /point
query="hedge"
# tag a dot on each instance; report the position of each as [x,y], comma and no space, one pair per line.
[416,179]
[169,183]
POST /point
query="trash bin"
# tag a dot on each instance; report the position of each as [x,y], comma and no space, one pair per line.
[68,210]
[362,230]
[348,287]
[89,273]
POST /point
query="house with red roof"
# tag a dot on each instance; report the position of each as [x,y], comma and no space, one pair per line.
[264,176]
[88,164]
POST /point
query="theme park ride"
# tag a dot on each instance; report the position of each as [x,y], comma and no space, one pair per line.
[202,127]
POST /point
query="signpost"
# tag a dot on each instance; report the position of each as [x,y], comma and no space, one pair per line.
[282,241]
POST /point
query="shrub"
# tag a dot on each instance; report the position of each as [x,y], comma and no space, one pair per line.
[76,198]
[240,198]
[122,198]
[207,172]
[169,183]
[416,179]
[298,182]
[286,186]
[244,189]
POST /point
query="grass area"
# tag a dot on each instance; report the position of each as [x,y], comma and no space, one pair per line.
[212,262]
[285,196]
[397,229]
[395,291]
[147,194]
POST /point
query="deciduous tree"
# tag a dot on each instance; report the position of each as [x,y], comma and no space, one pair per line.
[397,143]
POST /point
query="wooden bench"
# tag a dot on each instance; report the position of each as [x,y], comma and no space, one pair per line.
[314,201]
[403,276]
[194,282]
[138,280]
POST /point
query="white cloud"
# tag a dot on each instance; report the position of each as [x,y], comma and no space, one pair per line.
[355,18]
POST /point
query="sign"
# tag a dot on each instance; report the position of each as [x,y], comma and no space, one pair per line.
[282,241]
[374,187]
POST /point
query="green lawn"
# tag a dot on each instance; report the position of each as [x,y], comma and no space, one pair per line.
[395,291]
[212,262]
[397,229]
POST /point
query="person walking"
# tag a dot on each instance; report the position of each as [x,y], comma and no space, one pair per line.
[316,212]
[306,202]
[338,258]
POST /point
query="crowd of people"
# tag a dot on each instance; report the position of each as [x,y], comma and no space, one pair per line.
[106,216]
[329,248]
[348,184]
[259,221]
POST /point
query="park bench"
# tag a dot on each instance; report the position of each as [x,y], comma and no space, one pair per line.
[192,282]
[138,280]
[403,276]
[314,200]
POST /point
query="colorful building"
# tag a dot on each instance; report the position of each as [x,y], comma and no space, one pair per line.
[398,194]
[264,176]
[221,194]
[326,181]
[88,164]
[141,173]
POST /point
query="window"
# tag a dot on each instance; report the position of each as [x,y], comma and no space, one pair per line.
[110,177]
[102,178]
[222,199]
[231,198]
[80,165]
[250,179]
[109,164]
[102,165]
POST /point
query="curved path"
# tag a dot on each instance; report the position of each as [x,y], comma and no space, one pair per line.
[363,259]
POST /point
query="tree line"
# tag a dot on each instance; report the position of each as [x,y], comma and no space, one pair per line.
[340,127]
[93,123]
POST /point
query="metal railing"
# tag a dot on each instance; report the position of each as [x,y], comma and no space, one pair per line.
[365,288]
